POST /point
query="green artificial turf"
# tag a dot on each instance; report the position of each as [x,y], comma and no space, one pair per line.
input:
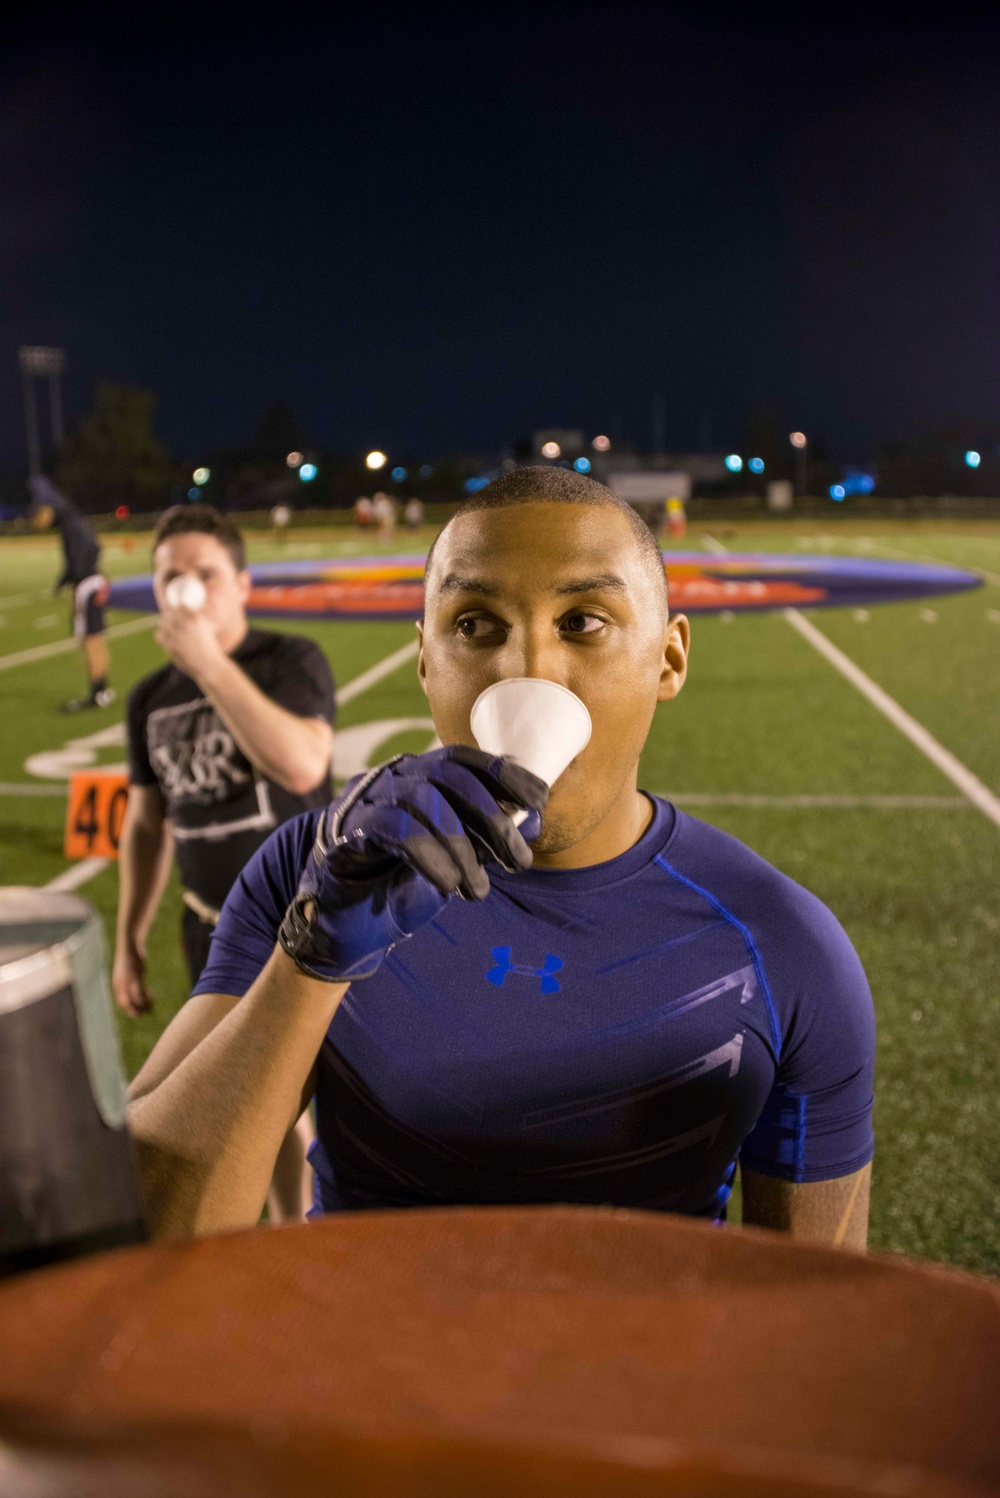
[762,715]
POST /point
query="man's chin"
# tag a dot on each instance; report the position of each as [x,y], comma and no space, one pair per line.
[560,833]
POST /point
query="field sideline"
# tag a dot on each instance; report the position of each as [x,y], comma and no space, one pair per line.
[767,740]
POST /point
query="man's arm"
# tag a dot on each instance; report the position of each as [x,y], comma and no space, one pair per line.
[230,1076]
[292,751]
[211,1107]
[834,1212]
[144,854]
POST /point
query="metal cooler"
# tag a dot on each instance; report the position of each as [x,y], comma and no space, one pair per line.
[67,1182]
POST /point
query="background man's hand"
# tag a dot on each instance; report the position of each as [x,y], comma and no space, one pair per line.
[128,980]
[189,640]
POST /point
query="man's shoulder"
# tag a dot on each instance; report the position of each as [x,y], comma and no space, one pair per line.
[275,642]
[745,886]
[148,690]
[279,860]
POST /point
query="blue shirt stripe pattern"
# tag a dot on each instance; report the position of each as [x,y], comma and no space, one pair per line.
[616,1034]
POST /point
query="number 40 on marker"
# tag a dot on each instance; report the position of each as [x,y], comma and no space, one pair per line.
[95,812]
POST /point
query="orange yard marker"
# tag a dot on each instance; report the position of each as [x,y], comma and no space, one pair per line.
[95,811]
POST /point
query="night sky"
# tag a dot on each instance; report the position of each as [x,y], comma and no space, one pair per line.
[432,230]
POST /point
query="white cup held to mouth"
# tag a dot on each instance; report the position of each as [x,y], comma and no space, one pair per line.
[538,724]
[186,592]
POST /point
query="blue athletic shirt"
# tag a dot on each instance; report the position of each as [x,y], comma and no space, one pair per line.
[614,1034]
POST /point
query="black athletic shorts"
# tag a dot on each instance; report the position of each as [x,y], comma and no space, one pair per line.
[195,935]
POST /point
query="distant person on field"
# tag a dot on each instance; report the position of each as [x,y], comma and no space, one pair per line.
[384,511]
[81,570]
[228,740]
[413,514]
[364,513]
[281,519]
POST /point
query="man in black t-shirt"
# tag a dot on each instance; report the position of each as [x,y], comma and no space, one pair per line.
[227,741]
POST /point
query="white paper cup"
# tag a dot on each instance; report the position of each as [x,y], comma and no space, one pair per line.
[186,592]
[538,724]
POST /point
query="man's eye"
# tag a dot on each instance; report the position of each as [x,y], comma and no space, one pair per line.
[582,624]
[475,627]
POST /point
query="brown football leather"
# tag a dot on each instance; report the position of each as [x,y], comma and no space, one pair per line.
[499,1351]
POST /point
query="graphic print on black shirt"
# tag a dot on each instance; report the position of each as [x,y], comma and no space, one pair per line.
[220,808]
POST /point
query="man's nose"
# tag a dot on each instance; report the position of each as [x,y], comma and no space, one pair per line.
[533,650]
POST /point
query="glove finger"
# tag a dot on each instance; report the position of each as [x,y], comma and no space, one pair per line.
[530,827]
[384,828]
[424,802]
[413,901]
[481,815]
[429,805]
[505,780]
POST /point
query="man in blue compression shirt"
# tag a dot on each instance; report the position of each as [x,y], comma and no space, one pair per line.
[614,1004]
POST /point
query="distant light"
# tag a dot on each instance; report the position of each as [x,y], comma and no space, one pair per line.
[973,459]
[426,470]
[857,481]
[473,486]
[308,471]
[202,475]
[194,494]
[837,491]
[798,439]
[551,450]
[122,512]
[294,460]
[376,459]
[399,474]
[582,465]
[734,462]
[601,444]
[756,465]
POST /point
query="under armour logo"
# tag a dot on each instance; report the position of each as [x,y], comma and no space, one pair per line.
[501,957]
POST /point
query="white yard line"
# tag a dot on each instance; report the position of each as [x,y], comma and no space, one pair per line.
[62,647]
[682,798]
[949,764]
[377,672]
[76,874]
[15,600]
[920,556]
[79,873]
[30,788]
[834,803]
[969,784]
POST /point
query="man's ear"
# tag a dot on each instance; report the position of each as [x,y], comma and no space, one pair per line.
[421,668]
[676,648]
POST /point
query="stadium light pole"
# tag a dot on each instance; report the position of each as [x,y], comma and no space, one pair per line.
[43,363]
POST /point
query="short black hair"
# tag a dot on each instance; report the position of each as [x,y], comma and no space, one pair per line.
[539,485]
[204,520]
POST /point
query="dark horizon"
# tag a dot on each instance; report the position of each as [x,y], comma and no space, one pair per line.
[436,232]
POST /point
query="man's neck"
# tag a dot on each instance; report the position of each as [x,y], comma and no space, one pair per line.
[620,830]
[233,639]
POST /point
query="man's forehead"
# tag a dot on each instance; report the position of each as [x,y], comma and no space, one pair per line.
[191,542]
[559,540]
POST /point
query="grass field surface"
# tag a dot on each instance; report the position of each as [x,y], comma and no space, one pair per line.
[767,740]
